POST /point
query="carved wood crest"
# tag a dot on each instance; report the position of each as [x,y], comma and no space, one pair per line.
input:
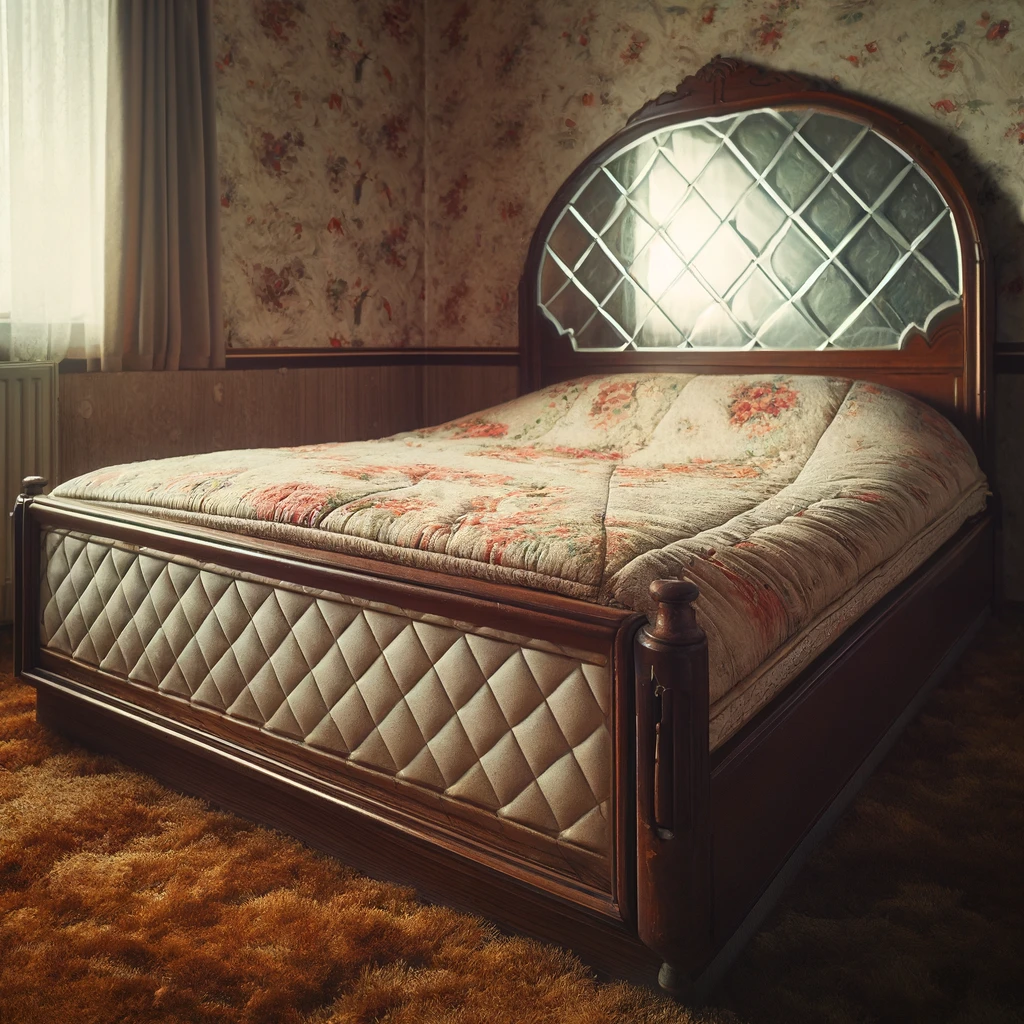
[728,79]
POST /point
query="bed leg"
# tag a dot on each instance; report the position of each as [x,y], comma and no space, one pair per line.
[677,983]
[673,787]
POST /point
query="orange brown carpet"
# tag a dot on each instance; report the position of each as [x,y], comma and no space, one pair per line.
[121,901]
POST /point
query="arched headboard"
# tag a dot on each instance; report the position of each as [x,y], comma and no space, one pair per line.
[756,221]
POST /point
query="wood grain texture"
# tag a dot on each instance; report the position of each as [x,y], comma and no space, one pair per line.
[452,391]
[1007,481]
[435,355]
[108,419]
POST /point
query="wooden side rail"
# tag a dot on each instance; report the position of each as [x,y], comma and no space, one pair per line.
[673,786]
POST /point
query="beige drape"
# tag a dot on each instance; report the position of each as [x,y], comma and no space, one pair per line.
[163,242]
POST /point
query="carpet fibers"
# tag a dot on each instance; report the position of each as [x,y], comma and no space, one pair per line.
[122,901]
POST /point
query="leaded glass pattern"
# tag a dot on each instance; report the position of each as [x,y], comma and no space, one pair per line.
[771,229]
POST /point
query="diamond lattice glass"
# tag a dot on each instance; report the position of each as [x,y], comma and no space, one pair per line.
[771,229]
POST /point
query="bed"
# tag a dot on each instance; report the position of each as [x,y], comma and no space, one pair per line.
[602,663]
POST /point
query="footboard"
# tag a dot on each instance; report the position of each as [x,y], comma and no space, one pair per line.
[472,739]
[535,759]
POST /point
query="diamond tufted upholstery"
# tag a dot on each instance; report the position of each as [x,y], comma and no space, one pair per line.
[509,724]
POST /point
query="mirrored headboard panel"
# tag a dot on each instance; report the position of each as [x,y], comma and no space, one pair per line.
[757,221]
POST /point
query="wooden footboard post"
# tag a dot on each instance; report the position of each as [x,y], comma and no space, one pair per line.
[673,786]
[26,575]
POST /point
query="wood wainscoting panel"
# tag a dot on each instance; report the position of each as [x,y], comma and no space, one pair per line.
[452,391]
[111,418]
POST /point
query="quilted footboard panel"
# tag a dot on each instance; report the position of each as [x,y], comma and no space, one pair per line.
[511,725]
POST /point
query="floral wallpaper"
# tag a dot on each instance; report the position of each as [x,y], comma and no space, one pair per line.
[384,162]
[518,94]
[320,141]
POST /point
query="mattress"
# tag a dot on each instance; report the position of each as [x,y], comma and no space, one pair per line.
[793,502]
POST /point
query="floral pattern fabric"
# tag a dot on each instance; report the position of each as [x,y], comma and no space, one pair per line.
[774,494]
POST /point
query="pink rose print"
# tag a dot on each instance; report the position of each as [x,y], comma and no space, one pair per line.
[755,406]
[296,503]
[392,506]
[613,398]
[478,428]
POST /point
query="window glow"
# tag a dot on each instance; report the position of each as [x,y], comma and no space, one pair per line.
[53,109]
[768,229]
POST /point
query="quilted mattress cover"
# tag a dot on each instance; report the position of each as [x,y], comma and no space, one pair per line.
[794,502]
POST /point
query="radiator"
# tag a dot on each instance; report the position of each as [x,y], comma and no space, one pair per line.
[28,447]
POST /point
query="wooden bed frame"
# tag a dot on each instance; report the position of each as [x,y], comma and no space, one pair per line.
[697,838]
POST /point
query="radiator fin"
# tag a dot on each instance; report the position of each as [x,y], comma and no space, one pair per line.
[28,447]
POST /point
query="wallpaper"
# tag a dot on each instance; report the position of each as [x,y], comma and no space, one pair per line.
[320,142]
[518,94]
[384,162]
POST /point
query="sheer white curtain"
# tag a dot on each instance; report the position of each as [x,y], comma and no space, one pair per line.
[53,114]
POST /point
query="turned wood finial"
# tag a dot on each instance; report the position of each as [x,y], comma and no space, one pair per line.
[31,486]
[676,621]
